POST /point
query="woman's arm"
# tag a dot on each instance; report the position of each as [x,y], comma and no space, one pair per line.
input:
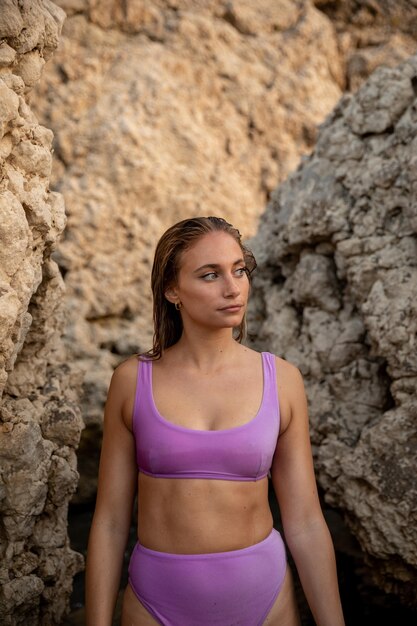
[115,496]
[306,532]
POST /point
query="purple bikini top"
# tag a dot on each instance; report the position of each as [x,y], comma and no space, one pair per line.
[166,450]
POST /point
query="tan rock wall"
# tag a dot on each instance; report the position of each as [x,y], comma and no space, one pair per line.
[336,295]
[372,33]
[40,420]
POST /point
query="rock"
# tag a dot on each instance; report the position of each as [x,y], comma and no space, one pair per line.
[40,420]
[336,295]
[30,68]
[11,20]
[372,34]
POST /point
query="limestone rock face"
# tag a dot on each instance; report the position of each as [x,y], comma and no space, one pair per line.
[372,33]
[162,110]
[40,420]
[336,295]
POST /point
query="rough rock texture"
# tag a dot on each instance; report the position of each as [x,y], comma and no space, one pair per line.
[372,33]
[337,296]
[161,110]
[40,422]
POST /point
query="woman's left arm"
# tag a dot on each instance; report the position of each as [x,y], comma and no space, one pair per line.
[305,529]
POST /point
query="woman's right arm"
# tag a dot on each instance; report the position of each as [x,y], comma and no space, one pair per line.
[117,485]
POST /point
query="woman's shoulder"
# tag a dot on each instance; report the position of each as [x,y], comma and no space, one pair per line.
[291,390]
[283,366]
[122,388]
[286,367]
[126,372]
[289,376]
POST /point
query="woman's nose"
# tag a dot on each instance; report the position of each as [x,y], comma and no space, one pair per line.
[231,288]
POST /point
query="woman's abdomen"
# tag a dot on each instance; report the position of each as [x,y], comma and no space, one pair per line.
[195,516]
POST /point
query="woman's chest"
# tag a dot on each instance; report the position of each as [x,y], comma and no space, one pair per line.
[208,402]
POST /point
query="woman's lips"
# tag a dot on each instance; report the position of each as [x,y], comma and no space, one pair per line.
[233,308]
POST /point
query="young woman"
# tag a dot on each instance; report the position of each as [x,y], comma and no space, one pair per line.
[196,425]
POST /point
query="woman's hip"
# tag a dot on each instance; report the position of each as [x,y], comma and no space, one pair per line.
[234,587]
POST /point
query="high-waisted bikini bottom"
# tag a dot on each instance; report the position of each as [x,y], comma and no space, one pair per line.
[217,589]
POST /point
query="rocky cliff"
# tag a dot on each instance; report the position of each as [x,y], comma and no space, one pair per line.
[336,294]
[40,421]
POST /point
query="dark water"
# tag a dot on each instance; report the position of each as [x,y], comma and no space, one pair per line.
[363,605]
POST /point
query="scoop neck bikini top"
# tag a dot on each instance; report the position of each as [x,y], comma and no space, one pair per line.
[167,450]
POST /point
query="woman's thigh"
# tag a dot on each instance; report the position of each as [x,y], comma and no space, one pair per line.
[133,611]
[284,611]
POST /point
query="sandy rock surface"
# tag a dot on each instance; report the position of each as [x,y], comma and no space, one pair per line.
[40,420]
[336,295]
[371,33]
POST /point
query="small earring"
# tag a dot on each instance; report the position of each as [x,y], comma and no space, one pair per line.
[178,305]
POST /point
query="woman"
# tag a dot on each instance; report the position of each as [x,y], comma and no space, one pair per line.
[196,425]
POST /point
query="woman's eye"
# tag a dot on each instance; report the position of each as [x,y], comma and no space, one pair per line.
[209,276]
[241,271]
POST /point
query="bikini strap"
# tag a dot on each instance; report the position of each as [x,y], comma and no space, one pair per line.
[270,383]
[143,389]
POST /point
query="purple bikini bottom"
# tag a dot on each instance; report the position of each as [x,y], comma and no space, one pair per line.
[217,589]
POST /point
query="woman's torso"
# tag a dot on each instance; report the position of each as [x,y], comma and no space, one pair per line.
[222,412]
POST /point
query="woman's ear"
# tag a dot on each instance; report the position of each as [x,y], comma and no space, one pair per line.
[171,295]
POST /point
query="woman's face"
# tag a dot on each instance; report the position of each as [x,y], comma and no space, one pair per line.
[213,285]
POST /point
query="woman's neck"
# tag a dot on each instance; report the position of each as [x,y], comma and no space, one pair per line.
[206,352]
